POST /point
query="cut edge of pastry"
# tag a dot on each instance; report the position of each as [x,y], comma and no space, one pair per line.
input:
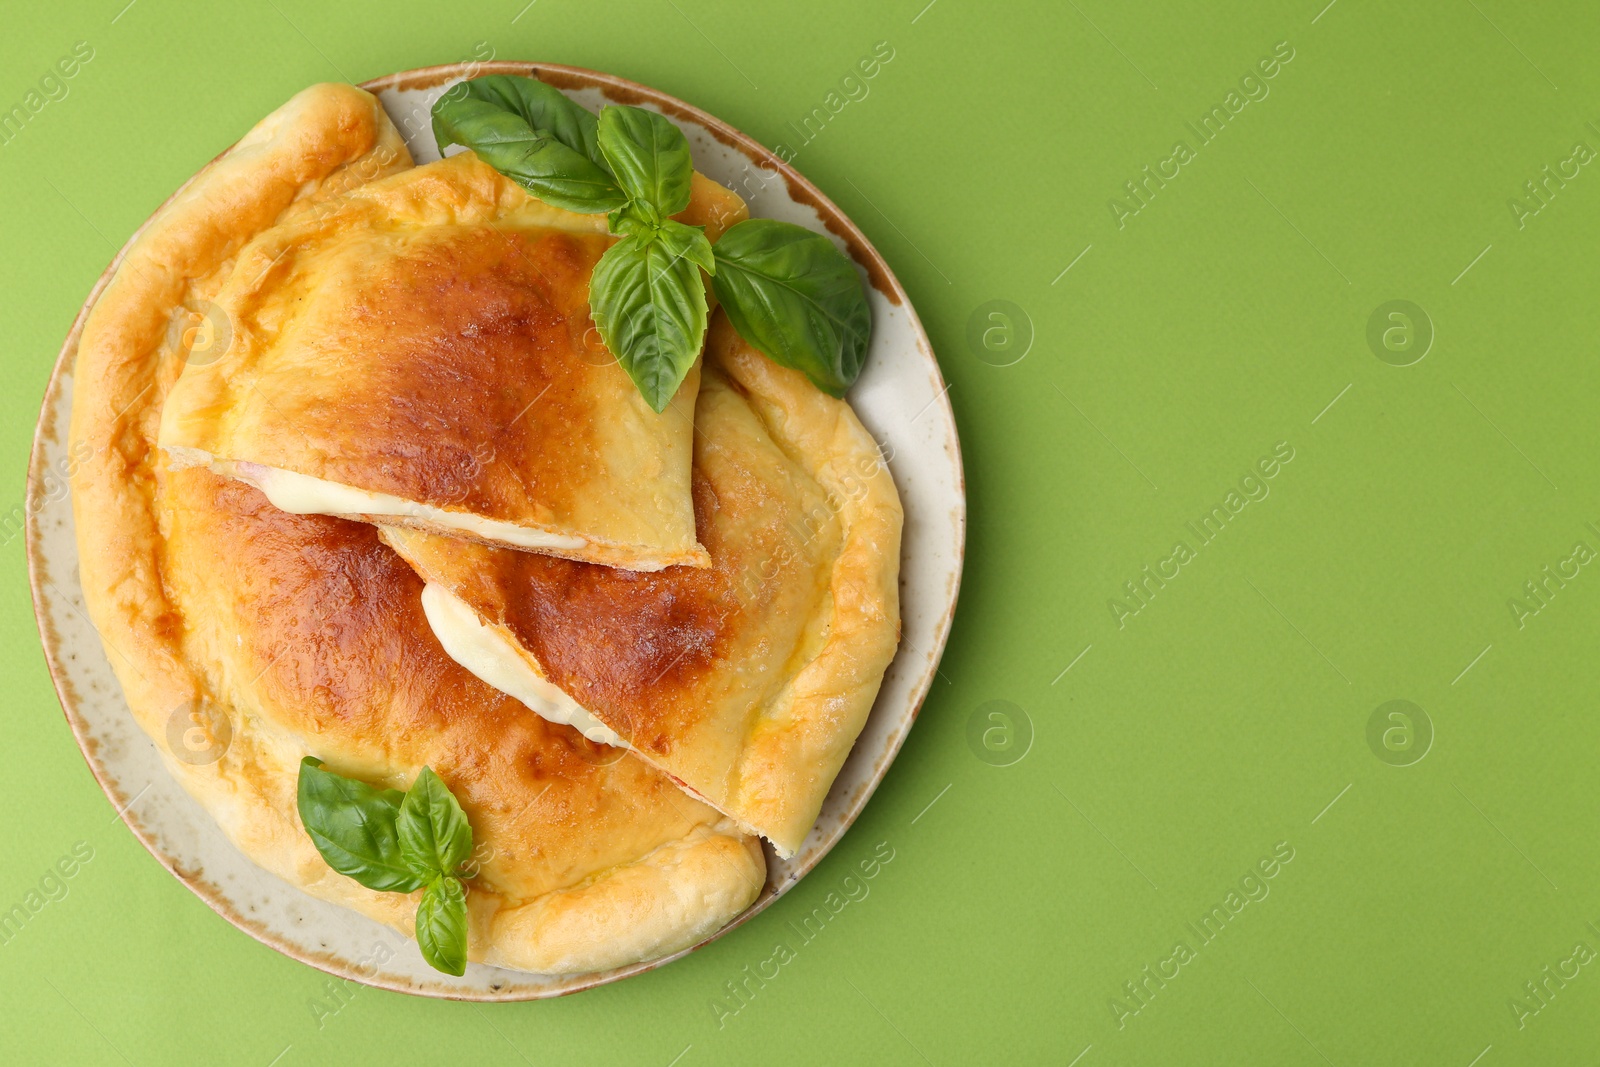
[486,652]
[324,141]
[302,494]
[493,655]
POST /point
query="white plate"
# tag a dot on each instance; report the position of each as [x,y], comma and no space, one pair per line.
[900,397]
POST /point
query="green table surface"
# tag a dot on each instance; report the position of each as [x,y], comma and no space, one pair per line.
[1079,875]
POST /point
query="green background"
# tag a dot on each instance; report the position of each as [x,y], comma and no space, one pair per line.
[1184,744]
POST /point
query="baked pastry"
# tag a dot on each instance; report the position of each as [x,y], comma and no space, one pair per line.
[361,333]
[305,635]
[311,633]
[747,681]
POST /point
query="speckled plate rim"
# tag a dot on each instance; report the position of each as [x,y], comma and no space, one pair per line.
[852,789]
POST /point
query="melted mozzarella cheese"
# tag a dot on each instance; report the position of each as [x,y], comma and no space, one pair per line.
[485,652]
[301,494]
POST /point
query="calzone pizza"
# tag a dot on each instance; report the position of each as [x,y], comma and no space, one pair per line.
[529,587]
[308,634]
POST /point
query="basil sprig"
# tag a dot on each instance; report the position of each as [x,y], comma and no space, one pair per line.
[789,292]
[396,842]
[646,295]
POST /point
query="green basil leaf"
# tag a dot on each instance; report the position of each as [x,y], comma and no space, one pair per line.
[635,218]
[535,160]
[435,837]
[353,826]
[650,308]
[792,294]
[688,242]
[544,108]
[442,925]
[649,156]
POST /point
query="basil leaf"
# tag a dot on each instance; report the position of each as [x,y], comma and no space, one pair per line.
[688,242]
[535,160]
[649,156]
[650,308]
[353,826]
[442,925]
[544,108]
[797,298]
[435,837]
[636,218]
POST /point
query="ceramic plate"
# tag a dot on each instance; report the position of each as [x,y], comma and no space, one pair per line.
[900,397]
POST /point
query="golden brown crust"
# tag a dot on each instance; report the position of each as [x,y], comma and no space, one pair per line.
[325,138]
[362,332]
[312,632]
[653,654]
[748,681]
[674,897]
[306,634]
[801,744]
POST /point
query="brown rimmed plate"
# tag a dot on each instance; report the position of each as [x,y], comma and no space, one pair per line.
[901,397]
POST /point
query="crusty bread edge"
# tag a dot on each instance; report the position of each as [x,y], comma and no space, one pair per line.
[794,752]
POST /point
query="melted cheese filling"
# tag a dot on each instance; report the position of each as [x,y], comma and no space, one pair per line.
[301,494]
[485,652]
